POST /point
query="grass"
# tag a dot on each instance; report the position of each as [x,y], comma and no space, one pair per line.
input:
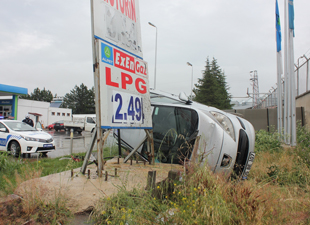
[276,192]
[267,197]
[33,208]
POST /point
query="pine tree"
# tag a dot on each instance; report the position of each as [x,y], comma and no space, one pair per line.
[80,99]
[39,95]
[212,88]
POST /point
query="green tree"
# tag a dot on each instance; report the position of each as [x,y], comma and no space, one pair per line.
[212,88]
[39,95]
[80,99]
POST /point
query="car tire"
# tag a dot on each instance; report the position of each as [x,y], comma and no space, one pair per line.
[56,130]
[15,148]
[44,154]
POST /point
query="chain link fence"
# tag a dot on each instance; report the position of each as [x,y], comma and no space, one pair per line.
[269,100]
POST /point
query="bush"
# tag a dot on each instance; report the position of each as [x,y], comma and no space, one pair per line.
[267,141]
[303,144]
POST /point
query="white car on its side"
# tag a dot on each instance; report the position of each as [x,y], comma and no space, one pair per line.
[185,130]
[20,138]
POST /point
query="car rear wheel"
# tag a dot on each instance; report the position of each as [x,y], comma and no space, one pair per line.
[14,148]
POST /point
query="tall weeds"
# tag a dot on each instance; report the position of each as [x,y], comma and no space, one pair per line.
[276,192]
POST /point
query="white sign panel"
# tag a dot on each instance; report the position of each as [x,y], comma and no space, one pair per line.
[117,22]
[124,90]
[124,86]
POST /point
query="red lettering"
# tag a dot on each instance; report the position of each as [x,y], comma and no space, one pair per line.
[121,4]
[141,88]
[108,78]
[137,66]
[126,8]
[126,79]
[112,2]
[140,68]
[133,10]
[124,61]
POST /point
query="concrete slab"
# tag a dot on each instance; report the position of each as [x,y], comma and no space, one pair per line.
[82,193]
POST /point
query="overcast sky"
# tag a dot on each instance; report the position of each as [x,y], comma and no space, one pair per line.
[47,43]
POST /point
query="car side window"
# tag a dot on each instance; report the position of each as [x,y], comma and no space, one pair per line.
[164,121]
[90,120]
[174,133]
[3,128]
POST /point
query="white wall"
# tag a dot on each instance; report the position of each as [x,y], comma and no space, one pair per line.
[56,114]
[26,106]
[49,114]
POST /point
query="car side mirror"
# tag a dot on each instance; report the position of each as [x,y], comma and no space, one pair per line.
[38,126]
[183,97]
[3,129]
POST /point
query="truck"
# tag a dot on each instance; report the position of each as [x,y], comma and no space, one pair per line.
[81,122]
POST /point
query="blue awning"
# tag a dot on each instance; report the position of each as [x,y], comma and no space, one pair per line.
[7,90]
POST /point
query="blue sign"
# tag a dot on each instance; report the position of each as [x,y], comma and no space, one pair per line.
[106,54]
[6,102]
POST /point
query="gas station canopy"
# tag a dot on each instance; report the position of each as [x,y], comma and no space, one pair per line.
[7,90]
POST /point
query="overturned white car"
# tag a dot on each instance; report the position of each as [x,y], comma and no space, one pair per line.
[188,131]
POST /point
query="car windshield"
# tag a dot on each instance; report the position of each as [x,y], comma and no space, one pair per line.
[19,126]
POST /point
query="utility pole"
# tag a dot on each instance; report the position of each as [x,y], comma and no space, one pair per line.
[254,84]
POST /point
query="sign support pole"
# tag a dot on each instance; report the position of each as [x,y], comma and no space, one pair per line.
[96,70]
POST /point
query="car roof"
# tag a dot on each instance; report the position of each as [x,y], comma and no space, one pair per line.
[15,121]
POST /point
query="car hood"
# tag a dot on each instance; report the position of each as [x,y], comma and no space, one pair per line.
[34,134]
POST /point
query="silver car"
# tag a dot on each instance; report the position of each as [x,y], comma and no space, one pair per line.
[185,132]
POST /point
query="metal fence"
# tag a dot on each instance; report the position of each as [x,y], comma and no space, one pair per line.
[269,100]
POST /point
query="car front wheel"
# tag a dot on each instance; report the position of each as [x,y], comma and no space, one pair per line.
[14,148]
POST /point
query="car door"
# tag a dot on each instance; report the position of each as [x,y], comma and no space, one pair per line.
[89,123]
[3,137]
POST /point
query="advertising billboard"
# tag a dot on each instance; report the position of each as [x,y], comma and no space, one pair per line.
[123,89]
[117,22]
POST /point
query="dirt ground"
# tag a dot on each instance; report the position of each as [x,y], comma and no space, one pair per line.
[81,193]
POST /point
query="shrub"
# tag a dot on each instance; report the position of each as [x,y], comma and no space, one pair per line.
[267,141]
[303,143]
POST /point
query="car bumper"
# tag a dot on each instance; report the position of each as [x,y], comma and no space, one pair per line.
[37,147]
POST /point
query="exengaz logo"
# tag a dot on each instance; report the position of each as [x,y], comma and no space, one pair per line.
[106,54]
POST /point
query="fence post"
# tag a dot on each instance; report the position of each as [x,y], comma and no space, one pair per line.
[151,179]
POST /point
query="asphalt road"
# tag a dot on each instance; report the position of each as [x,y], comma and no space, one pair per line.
[63,142]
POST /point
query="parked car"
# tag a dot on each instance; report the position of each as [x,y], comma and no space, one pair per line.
[59,125]
[51,126]
[18,138]
[223,141]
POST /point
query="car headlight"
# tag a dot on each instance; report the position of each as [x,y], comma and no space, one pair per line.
[29,138]
[226,123]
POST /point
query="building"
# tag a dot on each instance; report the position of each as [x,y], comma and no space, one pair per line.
[12,107]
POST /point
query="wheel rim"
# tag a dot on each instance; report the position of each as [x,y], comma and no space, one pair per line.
[14,148]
